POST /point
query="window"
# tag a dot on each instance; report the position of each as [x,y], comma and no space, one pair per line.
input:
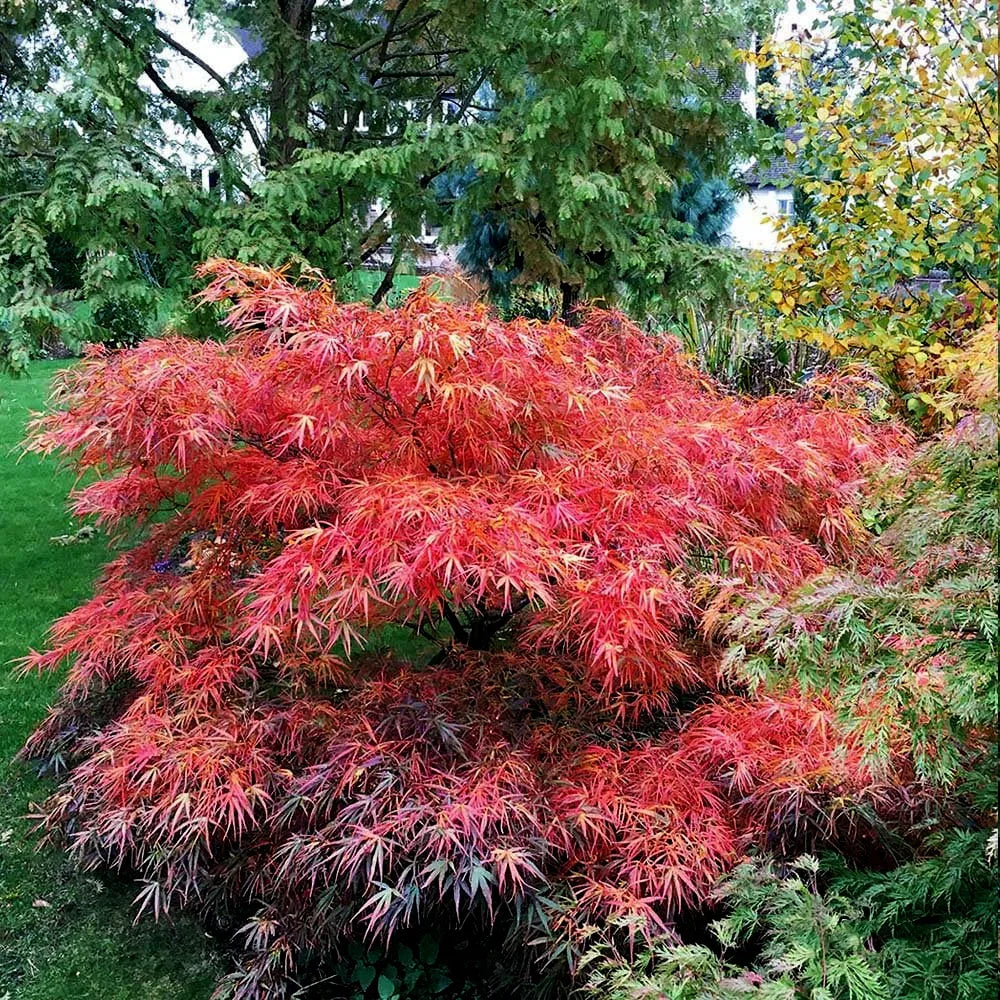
[785,207]
[429,233]
[360,122]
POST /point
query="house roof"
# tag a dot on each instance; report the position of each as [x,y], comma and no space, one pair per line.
[777,172]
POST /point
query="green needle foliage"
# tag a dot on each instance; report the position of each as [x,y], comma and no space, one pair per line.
[935,918]
[925,931]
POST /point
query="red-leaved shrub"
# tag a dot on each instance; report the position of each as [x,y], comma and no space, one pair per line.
[545,512]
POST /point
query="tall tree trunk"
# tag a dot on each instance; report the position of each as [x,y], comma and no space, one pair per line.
[289,99]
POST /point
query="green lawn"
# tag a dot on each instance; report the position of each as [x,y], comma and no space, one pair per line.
[63,935]
[362,284]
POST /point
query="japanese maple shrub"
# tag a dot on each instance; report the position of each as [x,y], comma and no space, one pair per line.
[546,511]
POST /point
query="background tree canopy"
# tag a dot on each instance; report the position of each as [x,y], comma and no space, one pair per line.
[895,147]
[576,119]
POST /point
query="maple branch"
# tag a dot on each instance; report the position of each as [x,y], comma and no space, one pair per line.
[386,397]
[383,40]
[985,290]
[466,103]
[461,633]
[420,628]
[414,53]
[382,43]
[413,74]
[373,238]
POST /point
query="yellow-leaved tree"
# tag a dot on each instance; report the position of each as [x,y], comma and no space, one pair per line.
[892,254]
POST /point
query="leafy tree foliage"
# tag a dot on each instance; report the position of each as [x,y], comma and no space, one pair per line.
[697,207]
[898,159]
[574,116]
[546,512]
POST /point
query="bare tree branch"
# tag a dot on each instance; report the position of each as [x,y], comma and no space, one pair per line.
[244,117]
[184,103]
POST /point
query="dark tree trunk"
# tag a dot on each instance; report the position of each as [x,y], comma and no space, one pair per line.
[289,99]
[570,297]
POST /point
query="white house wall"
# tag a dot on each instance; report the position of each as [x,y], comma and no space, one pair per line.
[752,227]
